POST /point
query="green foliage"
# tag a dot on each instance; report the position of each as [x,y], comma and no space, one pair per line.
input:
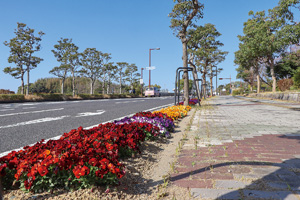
[205,48]
[93,62]
[22,47]
[265,36]
[131,74]
[184,14]
[237,92]
[12,97]
[181,83]
[66,52]
[296,78]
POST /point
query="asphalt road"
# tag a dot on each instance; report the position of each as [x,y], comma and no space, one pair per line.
[23,124]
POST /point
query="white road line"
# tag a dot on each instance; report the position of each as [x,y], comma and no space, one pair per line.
[47,119]
[85,114]
[57,137]
[129,101]
[29,104]
[3,110]
[28,108]
[38,111]
[56,102]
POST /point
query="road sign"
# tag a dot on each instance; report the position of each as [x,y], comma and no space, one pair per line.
[141,81]
[150,68]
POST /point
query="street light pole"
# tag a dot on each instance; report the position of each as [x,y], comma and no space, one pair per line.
[141,81]
[150,64]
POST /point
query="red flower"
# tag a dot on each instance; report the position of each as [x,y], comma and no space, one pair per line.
[28,184]
[93,161]
[80,171]
[43,170]
[2,169]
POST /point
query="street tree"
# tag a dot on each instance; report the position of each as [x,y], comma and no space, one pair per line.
[120,73]
[271,33]
[22,47]
[111,71]
[105,57]
[66,52]
[60,72]
[131,74]
[205,52]
[92,63]
[183,16]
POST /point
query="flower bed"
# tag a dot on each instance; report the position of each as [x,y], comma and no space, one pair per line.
[191,102]
[84,158]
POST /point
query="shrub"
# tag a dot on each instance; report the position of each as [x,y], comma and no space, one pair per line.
[237,92]
[296,78]
[284,84]
[12,97]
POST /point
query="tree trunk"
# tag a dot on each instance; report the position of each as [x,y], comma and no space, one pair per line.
[195,75]
[62,85]
[204,85]
[22,82]
[27,91]
[73,84]
[185,74]
[92,87]
[273,74]
[211,85]
[258,83]
[120,84]
[108,86]
[103,87]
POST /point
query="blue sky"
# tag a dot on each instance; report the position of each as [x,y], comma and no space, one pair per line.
[126,29]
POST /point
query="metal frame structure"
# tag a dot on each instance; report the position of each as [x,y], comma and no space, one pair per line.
[177,83]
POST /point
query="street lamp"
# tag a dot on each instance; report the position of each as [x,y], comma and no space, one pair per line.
[141,81]
[150,64]
[216,78]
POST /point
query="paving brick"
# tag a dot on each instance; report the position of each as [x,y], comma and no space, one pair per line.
[194,183]
[255,194]
[215,193]
[230,184]
[250,144]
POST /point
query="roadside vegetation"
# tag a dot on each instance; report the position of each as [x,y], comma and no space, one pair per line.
[268,56]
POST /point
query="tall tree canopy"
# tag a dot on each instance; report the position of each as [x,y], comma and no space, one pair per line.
[66,52]
[22,47]
[183,16]
[205,52]
[92,63]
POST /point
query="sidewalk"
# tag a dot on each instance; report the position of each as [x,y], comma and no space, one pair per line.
[242,149]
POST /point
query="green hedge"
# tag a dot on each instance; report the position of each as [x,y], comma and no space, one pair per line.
[12,97]
[52,97]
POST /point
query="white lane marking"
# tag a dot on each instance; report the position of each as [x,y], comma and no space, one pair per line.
[28,108]
[38,111]
[29,104]
[57,137]
[56,102]
[3,110]
[47,119]
[129,101]
[85,114]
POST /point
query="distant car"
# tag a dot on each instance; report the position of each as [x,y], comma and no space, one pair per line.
[152,92]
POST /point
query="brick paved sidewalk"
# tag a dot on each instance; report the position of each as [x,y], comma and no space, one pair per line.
[241,150]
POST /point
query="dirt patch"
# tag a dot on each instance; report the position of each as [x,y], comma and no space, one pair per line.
[146,175]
